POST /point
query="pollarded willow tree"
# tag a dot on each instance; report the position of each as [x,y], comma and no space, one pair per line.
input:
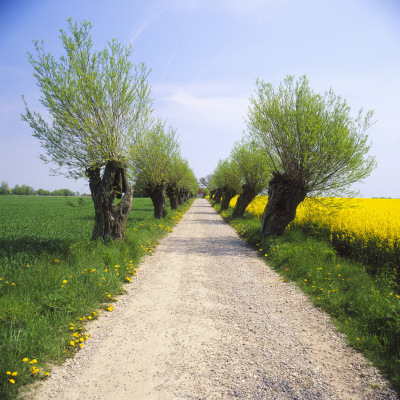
[151,162]
[254,169]
[226,181]
[314,144]
[182,183]
[98,103]
[177,171]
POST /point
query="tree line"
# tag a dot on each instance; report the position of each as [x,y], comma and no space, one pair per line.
[25,190]
[100,126]
[298,144]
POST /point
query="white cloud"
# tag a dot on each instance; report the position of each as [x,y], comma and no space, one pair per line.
[203,103]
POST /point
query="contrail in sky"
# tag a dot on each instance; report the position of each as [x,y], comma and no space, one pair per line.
[152,13]
[235,43]
[177,41]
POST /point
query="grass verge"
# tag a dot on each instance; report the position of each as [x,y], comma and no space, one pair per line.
[365,308]
[53,281]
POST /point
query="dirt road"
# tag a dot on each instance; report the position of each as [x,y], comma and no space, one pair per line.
[207,319]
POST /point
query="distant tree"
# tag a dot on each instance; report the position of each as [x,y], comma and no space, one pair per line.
[23,190]
[205,181]
[315,146]
[151,162]
[227,182]
[4,188]
[98,103]
[205,192]
[42,192]
[254,169]
[62,192]
[177,169]
[181,181]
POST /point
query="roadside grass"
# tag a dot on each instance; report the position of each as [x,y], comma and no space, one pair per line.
[53,280]
[366,308]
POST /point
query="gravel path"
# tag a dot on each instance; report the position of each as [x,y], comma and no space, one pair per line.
[205,318]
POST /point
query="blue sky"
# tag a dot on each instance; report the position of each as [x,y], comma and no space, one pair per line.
[205,56]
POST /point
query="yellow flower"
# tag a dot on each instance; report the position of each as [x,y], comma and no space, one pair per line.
[8,372]
[25,359]
[72,343]
[128,279]
[34,361]
[34,370]
[11,381]
[15,373]
[110,308]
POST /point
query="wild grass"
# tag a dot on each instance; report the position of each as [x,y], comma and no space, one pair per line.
[53,280]
[366,308]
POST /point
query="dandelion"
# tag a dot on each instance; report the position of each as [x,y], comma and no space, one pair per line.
[34,361]
[65,281]
[128,279]
[34,370]
[110,308]
[15,373]
[12,381]
[25,359]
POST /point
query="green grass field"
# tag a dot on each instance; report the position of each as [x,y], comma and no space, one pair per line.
[53,280]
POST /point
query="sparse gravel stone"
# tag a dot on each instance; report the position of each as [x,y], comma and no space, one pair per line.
[205,318]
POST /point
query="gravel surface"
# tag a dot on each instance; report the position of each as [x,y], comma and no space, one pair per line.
[205,318]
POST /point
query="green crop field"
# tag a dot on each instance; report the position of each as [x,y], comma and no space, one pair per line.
[53,279]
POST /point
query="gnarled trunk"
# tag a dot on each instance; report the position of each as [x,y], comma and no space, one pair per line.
[227,196]
[157,194]
[243,201]
[284,197]
[172,193]
[217,196]
[110,219]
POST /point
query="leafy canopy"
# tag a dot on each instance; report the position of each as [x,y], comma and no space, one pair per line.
[311,137]
[252,165]
[97,102]
[153,156]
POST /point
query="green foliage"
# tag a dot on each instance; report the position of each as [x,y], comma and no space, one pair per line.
[4,188]
[53,281]
[365,308]
[311,138]
[152,159]
[226,177]
[98,102]
[252,165]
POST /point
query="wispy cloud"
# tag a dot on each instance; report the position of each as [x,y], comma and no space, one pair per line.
[178,40]
[151,14]
[205,102]
[259,11]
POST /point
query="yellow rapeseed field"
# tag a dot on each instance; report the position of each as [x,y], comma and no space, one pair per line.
[357,217]
[367,229]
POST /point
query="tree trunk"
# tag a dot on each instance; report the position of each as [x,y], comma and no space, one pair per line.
[217,196]
[227,196]
[243,201]
[284,197]
[157,194]
[110,219]
[173,197]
